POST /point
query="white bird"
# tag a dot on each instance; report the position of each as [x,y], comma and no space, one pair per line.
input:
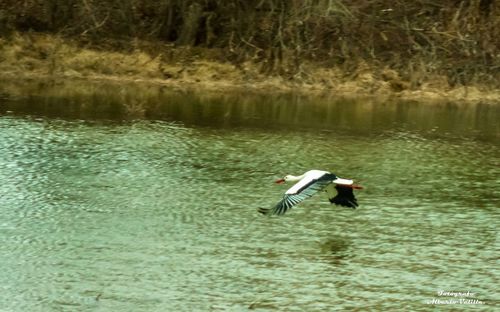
[311,183]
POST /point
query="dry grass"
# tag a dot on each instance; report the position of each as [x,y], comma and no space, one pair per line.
[51,55]
[39,56]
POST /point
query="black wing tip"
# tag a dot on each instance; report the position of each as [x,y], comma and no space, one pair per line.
[352,206]
[344,202]
[264,211]
[345,197]
[275,211]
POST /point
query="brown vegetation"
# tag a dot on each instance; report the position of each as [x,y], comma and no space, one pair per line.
[382,46]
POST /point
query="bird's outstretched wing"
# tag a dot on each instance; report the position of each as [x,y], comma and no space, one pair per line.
[305,191]
[345,196]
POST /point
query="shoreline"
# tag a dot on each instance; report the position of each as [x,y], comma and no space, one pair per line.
[462,95]
[44,57]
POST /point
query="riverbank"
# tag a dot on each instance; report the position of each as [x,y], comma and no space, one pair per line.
[42,57]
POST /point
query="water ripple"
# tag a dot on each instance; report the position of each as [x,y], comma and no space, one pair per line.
[160,215]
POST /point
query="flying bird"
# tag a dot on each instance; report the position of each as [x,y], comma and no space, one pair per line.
[310,183]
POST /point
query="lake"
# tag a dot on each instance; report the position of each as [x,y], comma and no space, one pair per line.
[145,199]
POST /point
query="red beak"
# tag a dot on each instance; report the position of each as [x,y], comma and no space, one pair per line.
[279,181]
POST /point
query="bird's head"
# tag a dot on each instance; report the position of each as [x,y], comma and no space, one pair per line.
[285,179]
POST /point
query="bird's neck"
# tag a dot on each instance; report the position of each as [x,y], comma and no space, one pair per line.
[295,178]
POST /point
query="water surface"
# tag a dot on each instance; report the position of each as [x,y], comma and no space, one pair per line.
[109,205]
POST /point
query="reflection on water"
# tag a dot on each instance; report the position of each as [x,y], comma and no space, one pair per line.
[284,111]
[153,208]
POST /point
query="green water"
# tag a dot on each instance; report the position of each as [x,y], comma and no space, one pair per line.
[105,207]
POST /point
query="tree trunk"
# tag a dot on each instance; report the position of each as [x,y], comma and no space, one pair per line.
[190,25]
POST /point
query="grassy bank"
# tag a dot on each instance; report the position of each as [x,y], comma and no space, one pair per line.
[411,49]
[44,56]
